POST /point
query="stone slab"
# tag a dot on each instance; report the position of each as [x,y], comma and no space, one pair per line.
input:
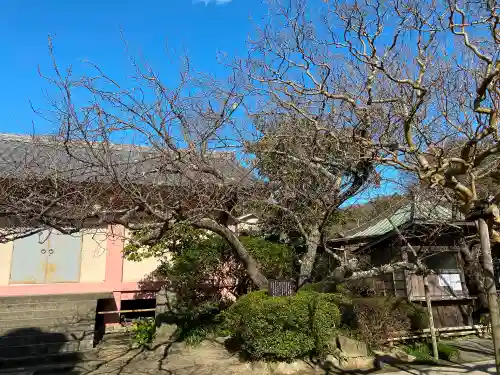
[351,348]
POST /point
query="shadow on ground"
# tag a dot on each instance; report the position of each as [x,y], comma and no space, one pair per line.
[54,355]
[22,348]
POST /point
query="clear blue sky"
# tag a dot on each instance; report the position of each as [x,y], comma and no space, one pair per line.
[90,30]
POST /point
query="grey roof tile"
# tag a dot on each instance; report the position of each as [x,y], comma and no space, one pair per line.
[28,157]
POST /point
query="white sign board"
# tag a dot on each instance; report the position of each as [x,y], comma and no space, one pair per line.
[450,280]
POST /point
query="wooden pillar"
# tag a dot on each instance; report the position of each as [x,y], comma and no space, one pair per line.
[431,319]
[491,291]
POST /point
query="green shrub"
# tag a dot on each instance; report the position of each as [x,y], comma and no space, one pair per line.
[195,263]
[447,352]
[196,323]
[283,328]
[422,350]
[143,331]
[275,260]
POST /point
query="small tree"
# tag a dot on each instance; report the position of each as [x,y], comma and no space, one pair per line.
[311,175]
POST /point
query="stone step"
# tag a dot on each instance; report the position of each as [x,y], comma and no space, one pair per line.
[42,323]
[77,312]
[115,339]
[63,329]
[29,351]
[54,298]
[33,337]
[47,305]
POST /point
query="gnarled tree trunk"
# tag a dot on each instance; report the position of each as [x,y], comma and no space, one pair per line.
[241,252]
[309,258]
[473,272]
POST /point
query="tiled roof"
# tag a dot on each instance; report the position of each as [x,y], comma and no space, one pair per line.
[27,157]
[414,211]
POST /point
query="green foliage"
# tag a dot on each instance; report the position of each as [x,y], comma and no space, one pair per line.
[197,323]
[275,260]
[283,328]
[198,267]
[175,240]
[447,352]
[192,257]
[422,350]
[143,331]
[313,287]
[417,314]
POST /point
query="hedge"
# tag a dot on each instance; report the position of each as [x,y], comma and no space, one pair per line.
[283,328]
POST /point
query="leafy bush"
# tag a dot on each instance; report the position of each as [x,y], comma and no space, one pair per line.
[422,350]
[143,331]
[447,352]
[275,260]
[202,267]
[378,319]
[417,314]
[283,328]
[196,323]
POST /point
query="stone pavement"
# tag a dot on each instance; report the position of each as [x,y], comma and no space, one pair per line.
[211,358]
[481,368]
[151,368]
[473,350]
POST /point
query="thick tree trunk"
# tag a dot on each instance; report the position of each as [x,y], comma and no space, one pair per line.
[489,283]
[242,253]
[307,261]
[473,276]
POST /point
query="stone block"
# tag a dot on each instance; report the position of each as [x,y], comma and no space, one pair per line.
[395,355]
[222,340]
[165,333]
[165,301]
[282,368]
[402,355]
[352,348]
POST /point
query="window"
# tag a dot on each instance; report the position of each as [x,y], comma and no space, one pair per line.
[441,261]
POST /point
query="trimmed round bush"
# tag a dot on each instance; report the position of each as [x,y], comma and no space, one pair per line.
[283,328]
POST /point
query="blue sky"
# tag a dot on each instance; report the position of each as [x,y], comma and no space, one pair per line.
[157,30]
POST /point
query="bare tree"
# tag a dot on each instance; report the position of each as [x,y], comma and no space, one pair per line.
[142,155]
[150,157]
[416,82]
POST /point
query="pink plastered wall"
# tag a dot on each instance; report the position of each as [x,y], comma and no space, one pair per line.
[113,277]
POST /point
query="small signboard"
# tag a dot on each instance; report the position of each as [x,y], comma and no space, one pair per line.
[280,288]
